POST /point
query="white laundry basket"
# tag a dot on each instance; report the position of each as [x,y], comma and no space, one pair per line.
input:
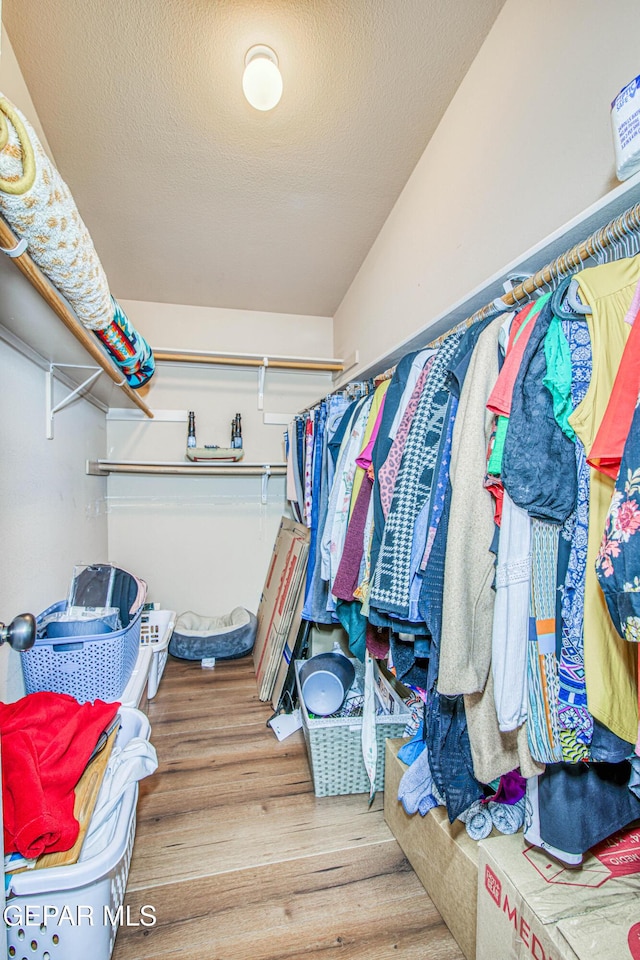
[90,892]
[155,631]
[135,692]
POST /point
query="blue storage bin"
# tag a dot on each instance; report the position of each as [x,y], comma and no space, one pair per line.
[94,667]
[56,629]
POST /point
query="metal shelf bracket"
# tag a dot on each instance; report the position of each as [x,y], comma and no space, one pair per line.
[265,482]
[51,410]
[261,374]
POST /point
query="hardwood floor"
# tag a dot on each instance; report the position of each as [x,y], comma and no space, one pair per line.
[239,858]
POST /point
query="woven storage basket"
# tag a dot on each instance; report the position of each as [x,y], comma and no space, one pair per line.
[334,744]
[87,668]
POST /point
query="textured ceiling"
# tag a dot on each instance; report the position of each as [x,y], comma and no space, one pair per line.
[191,195]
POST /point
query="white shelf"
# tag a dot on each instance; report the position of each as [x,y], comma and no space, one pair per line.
[612,205]
[258,361]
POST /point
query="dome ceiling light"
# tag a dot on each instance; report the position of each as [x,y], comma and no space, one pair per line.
[262,80]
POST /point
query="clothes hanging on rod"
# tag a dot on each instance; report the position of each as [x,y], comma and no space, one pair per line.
[466,439]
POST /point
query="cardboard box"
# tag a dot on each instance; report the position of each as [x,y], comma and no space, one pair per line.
[443,855]
[288,651]
[280,596]
[613,932]
[525,899]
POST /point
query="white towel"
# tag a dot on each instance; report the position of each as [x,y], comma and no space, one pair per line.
[136,760]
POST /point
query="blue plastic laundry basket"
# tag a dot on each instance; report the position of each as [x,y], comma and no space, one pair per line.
[88,668]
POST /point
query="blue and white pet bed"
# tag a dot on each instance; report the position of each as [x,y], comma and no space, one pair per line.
[226,637]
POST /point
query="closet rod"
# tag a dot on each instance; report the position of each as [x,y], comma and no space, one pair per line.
[221,359]
[179,468]
[50,295]
[567,263]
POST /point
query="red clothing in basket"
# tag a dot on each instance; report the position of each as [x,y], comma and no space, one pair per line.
[46,740]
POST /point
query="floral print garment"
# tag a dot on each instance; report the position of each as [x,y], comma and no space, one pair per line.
[618,561]
[576,723]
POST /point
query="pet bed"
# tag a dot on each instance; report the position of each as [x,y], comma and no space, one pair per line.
[226,637]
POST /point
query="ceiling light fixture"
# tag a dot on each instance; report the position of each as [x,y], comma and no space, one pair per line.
[262,81]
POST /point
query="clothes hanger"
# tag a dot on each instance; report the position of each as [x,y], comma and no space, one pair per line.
[557,299]
[630,238]
[572,298]
[614,243]
[631,234]
[598,253]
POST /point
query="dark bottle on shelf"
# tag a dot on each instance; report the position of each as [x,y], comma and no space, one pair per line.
[236,432]
[191,432]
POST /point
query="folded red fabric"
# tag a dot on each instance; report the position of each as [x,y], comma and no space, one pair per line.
[46,741]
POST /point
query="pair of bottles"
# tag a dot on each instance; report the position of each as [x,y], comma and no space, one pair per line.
[236,431]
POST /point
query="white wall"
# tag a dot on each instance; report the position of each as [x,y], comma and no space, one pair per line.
[13,86]
[53,516]
[201,543]
[204,543]
[524,146]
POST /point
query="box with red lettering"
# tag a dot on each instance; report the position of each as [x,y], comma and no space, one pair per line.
[532,908]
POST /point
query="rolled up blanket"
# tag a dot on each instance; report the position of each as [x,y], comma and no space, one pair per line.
[477,820]
[37,204]
[128,348]
[507,817]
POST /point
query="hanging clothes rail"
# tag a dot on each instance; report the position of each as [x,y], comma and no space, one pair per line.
[615,207]
[181,468]
[219,358]
[11,246]
[178,468]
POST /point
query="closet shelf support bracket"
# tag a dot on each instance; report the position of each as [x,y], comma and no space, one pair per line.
[265,482]
[261,375]
[18,250]
[50,409]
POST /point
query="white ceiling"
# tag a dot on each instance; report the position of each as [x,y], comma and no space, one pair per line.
[191,195]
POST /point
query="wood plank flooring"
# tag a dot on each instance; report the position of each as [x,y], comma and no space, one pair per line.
[241,860]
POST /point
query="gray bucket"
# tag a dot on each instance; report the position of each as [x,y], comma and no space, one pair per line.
[325,681]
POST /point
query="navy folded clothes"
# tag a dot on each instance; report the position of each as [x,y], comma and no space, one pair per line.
[582,804]
[225,637]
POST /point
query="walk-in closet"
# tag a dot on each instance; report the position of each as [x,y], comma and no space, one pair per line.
[320,485]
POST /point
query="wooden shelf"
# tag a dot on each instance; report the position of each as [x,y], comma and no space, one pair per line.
[37,320]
